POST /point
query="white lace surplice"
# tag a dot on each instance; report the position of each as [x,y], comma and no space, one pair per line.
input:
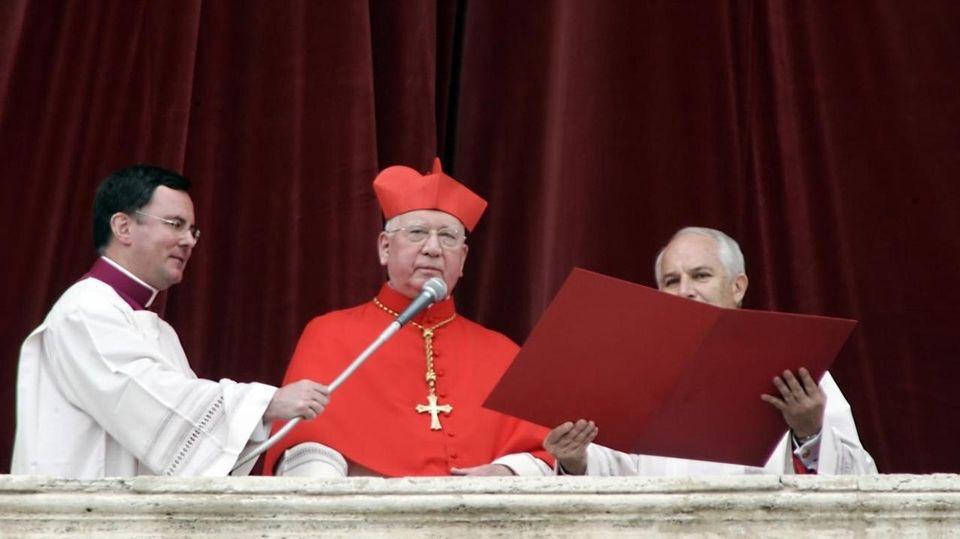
[104,390]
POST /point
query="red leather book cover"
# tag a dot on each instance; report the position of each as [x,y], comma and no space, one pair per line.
[660,374]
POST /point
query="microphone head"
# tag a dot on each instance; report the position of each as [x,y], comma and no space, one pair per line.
[436,287]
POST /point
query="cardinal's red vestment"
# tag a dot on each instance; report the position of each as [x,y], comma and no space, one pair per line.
[372,418]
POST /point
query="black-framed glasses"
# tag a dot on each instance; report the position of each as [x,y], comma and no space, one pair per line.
[178,224]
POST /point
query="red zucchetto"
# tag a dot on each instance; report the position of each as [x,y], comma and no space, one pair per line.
[401,189]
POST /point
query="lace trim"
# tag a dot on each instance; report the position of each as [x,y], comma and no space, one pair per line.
[299,455]
[194,437]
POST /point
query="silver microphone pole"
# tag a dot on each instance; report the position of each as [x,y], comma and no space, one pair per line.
[433,290]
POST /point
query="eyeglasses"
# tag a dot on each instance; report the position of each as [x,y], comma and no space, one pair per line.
[178,225]
[449,238]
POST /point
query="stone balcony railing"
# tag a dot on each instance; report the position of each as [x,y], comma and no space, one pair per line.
[745,506]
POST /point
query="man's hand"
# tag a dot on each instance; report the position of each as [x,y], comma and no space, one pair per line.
[305,399]
[801,402]
[568,444]
[484,470]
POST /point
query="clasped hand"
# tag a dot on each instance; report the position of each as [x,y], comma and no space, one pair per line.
[305,399]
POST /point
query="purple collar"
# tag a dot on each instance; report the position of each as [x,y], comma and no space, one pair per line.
[137,295]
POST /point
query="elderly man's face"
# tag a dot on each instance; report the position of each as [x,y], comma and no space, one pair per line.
[691,268]
[410,263]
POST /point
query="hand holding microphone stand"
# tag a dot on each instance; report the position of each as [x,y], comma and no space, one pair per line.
[434,290]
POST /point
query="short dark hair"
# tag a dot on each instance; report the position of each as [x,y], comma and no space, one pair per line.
[127,190]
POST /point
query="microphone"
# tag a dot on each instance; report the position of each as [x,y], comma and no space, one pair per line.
[433,290]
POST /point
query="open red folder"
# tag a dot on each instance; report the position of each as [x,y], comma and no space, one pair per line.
[660,374]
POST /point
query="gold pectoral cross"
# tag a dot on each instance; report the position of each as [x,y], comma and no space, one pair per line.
[430,375]
[434,411]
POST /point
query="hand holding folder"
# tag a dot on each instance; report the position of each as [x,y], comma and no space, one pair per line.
[663,375]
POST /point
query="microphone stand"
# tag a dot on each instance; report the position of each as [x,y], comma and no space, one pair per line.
[384,337]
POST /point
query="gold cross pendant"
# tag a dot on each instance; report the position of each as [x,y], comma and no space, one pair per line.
[434,411]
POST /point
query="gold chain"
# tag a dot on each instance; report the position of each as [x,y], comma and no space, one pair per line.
[430,376]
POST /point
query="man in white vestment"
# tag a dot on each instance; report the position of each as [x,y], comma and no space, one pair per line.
[706,265]
[104,388]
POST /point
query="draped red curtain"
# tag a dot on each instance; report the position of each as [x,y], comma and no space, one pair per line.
[822,135]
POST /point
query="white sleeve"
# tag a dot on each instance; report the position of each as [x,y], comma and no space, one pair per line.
[158,410]
[809,452]
[603,461]
[840,449]
[259,435]
[311,459]
[524,464]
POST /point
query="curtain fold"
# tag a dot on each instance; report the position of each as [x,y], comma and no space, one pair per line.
[822,135]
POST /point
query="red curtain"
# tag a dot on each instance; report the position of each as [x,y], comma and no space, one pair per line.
[822,135]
